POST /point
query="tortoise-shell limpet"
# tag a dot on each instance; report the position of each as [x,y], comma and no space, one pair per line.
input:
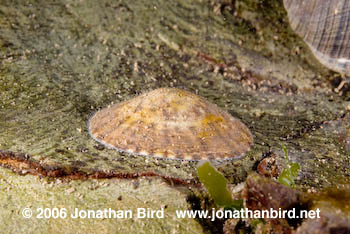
[171,123]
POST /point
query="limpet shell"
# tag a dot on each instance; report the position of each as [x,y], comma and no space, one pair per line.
[325,27]
[171,123]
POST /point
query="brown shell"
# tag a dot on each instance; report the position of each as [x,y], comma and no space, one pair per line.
[325,27]
[171,123]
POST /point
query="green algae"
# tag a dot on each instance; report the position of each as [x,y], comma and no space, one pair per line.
[216,184]
[290,171]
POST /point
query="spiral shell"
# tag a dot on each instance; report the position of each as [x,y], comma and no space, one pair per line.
[325,27]
[171,123]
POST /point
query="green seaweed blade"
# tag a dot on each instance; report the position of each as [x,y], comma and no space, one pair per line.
[216,184]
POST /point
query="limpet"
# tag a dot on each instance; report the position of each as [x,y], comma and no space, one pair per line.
[171,123]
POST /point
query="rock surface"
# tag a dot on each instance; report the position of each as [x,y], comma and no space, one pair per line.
[63,61]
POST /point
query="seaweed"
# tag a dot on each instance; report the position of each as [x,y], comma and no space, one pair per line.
[216,183]
[289,172]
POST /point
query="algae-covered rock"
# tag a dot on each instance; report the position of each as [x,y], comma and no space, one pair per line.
[61,61]
[64,61]
[53,205]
